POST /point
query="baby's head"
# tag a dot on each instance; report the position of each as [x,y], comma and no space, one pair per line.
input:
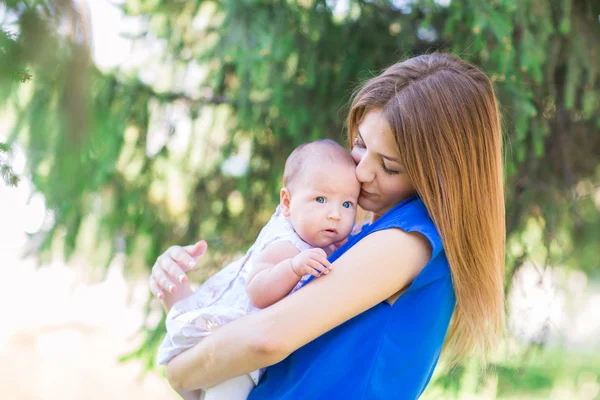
[320,192]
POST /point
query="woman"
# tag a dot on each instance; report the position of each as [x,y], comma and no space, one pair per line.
[426,138]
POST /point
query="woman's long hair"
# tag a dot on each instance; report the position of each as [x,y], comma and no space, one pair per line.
[444,116]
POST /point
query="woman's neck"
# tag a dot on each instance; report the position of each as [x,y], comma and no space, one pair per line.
[375,217]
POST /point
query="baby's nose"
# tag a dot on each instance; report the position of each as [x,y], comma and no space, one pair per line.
[334,213]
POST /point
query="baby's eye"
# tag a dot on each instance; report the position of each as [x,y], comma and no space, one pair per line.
[320,199]
[346,204]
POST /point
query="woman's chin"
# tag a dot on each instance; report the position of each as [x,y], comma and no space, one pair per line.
[367,204]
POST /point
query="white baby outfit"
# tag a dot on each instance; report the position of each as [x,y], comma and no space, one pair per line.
[223,298]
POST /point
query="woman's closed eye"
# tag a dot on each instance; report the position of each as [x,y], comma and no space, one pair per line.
[389,171]
[358,143]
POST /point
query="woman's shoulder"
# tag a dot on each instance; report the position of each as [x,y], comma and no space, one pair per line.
[410,215]
[409,212]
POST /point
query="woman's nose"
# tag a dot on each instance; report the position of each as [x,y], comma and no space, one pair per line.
[364,172]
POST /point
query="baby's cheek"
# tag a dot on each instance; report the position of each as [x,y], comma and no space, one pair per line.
[303,229]
[348,228]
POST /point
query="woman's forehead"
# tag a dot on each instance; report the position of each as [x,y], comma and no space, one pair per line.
[375,131]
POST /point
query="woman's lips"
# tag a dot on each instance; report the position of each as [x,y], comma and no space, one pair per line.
[365,193]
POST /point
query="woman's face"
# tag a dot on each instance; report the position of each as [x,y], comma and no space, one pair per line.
[383,179]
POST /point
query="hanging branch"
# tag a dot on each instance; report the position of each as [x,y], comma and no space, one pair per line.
[9,177]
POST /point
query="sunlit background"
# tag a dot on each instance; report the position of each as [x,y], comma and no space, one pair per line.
[64,329]
[189,142]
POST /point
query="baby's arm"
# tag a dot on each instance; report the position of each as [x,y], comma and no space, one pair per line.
[279,268]
[272,276]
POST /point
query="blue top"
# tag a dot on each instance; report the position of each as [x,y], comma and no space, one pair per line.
[386,352]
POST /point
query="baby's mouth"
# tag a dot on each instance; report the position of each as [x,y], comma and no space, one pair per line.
[332,231]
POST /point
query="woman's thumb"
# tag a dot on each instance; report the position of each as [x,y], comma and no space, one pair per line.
[198,249]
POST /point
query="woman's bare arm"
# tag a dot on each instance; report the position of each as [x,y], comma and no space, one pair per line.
[372,271]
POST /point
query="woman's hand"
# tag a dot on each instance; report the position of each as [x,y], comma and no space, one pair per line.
[171,267]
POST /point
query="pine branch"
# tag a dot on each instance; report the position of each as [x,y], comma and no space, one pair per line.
[9,67]
[172,97]
[6,172]
[8,175]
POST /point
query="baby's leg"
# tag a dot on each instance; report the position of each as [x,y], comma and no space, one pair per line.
[233,389]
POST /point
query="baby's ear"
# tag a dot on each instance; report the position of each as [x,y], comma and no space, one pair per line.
[285,199]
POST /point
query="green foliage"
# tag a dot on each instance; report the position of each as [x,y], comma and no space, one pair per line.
[6,172]
[11,69]
[11,72]
[534,374]
[280,73]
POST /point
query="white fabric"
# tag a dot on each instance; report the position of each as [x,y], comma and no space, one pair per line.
[222,298]
[237,388]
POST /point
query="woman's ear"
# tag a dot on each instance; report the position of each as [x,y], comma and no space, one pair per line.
[285,198]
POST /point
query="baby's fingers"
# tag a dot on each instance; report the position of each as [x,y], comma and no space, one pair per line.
[315,265]
[311,271]
[322,260]
[320,252]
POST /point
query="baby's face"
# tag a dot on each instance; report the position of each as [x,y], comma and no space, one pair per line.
[323,203]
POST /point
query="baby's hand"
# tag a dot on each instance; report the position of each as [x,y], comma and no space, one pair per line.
[312,261]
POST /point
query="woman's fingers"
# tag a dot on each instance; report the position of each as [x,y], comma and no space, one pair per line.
[172,266]
[154,288]
[182,257]
[163,280]
[196,250]
[173,269]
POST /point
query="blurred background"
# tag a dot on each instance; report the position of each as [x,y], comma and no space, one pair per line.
[127,126]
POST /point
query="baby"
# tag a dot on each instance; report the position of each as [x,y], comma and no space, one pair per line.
[317,211]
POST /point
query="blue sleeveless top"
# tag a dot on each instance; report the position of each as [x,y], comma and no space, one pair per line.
[386,352]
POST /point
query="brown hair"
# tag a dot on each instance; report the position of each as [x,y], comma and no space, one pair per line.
[444,116]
